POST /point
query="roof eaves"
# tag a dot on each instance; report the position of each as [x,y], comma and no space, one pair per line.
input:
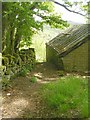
[64,53]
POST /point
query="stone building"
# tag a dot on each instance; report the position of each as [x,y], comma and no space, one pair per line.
[69,50]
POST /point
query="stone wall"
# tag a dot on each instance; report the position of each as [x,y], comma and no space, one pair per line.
[77,60]
[11,65]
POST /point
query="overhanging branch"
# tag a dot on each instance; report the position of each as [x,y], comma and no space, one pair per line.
[69,9]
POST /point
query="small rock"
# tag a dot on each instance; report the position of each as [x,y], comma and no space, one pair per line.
[84,76]
[8,94]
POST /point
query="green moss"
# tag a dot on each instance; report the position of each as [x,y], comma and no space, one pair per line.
[20,63]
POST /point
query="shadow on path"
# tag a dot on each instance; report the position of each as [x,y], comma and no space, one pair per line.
[23,99]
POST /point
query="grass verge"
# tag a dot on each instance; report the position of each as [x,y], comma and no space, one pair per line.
[68,97]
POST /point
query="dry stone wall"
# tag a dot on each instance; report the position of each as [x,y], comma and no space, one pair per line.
[11,65]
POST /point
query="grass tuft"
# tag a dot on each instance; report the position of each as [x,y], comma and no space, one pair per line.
[33,79]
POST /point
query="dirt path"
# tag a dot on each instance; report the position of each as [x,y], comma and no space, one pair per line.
[23,99]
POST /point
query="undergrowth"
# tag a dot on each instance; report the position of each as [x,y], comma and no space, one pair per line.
[25,70]
[68,97]
[33,79]
[5,82]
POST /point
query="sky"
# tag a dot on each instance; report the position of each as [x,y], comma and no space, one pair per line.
[66,15]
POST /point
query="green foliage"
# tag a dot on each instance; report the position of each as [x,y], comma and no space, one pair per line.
[67,94]
[68,3]
[29,67]
[40,48]
[33,79]
[7,72]
[19,22]
[6,83]
[55,21]
[39,40]
[61,73]
[47,6]
[2,69]
[23,71]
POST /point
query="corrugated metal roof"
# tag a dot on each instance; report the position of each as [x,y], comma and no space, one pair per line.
[69,38]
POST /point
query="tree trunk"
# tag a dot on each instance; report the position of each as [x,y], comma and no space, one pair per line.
[17,40]
[12,39]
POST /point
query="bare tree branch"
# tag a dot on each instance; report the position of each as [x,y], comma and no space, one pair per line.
[69,9]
